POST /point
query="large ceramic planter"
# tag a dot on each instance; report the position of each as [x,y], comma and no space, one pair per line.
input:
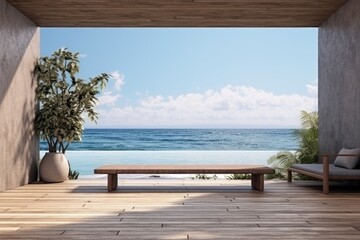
[54,168]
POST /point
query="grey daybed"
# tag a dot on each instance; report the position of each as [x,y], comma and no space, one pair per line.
[345,167]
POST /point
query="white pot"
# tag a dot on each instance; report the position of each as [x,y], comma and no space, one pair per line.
[54,168]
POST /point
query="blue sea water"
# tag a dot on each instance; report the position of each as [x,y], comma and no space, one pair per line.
[183,139]
[176,146]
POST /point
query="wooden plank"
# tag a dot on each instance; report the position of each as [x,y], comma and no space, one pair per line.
[183,169]
[77,210]
[178,13]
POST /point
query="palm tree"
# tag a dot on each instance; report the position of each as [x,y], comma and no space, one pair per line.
[307,137]
[281,162]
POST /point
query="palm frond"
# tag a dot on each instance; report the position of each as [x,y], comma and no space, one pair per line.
[309,120]
[281,162]
[308,140]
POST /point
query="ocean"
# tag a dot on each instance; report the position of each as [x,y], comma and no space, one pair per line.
[176,146]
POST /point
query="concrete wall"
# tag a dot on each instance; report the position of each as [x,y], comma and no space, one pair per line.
[19,49]
[339,79]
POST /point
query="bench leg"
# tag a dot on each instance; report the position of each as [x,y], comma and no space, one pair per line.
[325,174]
[257,181]
[289,178]
[325,186]
[112,182]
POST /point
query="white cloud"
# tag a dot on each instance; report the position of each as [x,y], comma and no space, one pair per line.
[108,99]
[312,89]
[119,79]
[231,106]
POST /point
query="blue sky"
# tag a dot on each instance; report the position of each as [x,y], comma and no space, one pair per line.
[194,77]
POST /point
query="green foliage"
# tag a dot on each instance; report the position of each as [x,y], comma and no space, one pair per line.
[73,174]
[204,177]
[281,162]
[238,176]
[307,137]
[64,100]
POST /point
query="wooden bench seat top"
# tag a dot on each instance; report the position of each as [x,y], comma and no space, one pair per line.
[183,169]
[257,171]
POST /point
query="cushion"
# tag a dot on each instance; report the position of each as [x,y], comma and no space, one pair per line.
[334,172]
[349,162]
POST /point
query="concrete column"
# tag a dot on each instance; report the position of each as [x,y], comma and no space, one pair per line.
[19,50]
[339,79]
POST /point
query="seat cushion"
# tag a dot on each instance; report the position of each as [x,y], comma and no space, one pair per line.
[334,171]
[348,162]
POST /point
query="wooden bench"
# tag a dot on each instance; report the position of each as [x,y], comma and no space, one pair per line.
[257,171]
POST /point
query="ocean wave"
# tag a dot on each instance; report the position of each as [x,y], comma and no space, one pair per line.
[184,139]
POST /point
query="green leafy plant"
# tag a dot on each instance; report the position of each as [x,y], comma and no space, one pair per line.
[204,177]
[281,162]
[238,176]
[73,174]
[64,100]
[307,137]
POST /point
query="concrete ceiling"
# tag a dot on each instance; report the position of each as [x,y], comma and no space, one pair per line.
[178,13]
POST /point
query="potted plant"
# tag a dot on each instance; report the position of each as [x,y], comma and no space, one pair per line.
[64,101]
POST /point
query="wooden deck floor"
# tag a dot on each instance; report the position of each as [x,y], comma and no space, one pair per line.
[179,209]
